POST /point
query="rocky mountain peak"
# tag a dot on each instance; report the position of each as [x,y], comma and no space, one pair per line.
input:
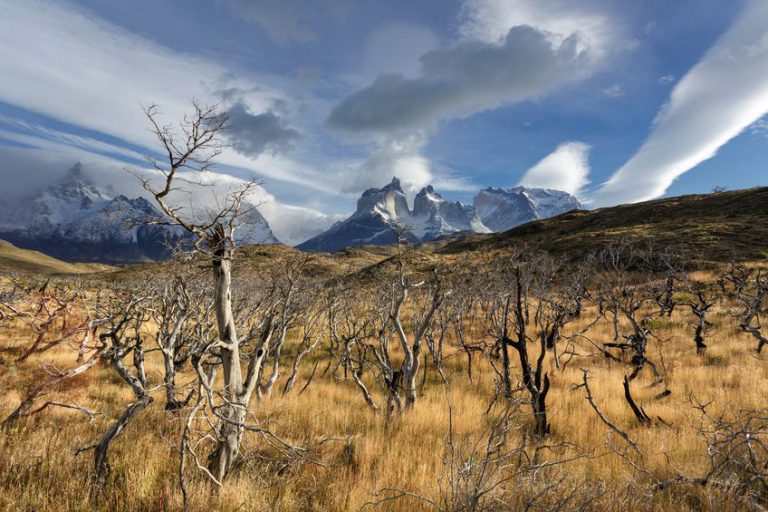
[389,201]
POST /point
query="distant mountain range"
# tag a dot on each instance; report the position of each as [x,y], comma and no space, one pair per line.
[383,212]
[74,220]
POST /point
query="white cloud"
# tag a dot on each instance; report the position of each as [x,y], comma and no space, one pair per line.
[461,80]
[666,79]
[722,95]
[293,225]
[598,30]
[395,157]
[614,91]
[566,169]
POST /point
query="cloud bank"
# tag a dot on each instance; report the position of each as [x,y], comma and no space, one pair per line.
[720,96]
[461,80]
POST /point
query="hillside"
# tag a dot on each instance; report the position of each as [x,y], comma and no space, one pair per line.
[14,259]
[719,227]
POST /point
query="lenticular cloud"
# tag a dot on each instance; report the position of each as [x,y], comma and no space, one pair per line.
[722,95]
[566,169]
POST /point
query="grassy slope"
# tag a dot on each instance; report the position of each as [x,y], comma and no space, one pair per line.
[719,227]
[14,259]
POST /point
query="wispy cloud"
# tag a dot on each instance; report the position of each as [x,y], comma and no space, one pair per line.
[666,79]
[759,128]
[72,66]
[614,91]
[723,94]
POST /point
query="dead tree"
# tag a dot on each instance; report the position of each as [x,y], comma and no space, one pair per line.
[625,289]
[191,148]
[57,326]
[310,322]
[352,321]
[295,297]
[703,299]
[749,290]
[505,309]
[182,314]
[423,309]
[557,303]
[537,386]
[123,335]
[665,296]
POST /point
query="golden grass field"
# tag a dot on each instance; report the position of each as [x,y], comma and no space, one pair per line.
[366,454]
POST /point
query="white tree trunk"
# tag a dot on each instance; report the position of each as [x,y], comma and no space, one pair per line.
[233,413]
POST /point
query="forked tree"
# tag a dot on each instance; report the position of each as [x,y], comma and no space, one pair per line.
[505,308]
[189,148]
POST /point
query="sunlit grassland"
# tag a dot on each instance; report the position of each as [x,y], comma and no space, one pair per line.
[363,452]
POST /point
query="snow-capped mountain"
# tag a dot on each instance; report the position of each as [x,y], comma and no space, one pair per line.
[502,209]
[381,212]
[75,220]
[433,216]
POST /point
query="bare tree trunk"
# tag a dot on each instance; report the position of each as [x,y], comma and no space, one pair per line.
[364,390]
[169,382]
[101,450]
[295,369]
[267,391]
[232,415]
[505,355]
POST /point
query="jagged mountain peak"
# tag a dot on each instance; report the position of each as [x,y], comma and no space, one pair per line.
[75,174]
[382,211]
[388,202]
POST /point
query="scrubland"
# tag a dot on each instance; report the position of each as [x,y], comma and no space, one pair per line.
[463,445]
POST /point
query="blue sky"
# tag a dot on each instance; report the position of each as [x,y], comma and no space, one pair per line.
[612,100]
